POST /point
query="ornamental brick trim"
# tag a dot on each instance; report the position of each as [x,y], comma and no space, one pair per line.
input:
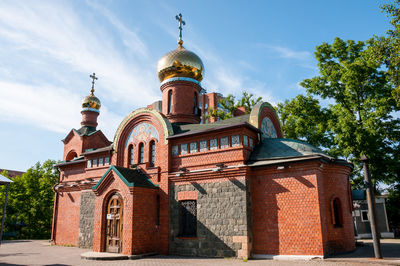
[166,125]
[187,195]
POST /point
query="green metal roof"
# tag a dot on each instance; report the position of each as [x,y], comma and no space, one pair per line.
[131,177]
[359,194]
[86,131]
[189,129]
[276,148]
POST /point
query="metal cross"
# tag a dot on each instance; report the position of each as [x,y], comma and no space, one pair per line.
[181,22]
[93,76]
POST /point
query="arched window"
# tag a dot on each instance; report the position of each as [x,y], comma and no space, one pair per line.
[152,152]
[169,101]
[71,155]
[130,155]
[141,153]
[337,213]
[158,210]
[195,107]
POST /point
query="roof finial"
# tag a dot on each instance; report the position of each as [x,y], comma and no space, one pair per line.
[181,22]
[93,76]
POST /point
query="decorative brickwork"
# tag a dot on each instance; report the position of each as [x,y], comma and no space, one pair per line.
[220,189]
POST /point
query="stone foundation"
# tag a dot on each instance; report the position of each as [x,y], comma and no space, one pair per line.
[222,220]
[86,219]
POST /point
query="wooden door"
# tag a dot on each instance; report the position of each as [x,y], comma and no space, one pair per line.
[114,224]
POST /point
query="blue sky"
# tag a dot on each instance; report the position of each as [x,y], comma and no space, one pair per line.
[48,49]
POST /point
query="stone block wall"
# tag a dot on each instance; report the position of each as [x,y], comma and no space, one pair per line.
[222,218]
[86,219]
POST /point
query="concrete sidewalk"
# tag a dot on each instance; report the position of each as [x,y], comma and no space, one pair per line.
[40,252]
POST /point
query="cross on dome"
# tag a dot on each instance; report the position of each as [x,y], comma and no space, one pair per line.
[181,22]
[93,76]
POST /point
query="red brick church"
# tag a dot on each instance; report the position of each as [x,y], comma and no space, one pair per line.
[172,182]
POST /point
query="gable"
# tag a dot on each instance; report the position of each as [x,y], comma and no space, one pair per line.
[264,117]
[130,177]
[70,135]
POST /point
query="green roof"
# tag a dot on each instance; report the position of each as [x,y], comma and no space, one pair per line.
[189,129]
[359,194]
[275,148]
[131,177]
[85,131]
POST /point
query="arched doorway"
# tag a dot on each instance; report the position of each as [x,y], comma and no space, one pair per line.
[114,224]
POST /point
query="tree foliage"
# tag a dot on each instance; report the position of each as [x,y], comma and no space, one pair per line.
[229,104]
[359,119]
[386,49]
[30,202]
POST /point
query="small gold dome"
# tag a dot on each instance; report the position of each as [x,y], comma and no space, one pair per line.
[180,63]
[92,102]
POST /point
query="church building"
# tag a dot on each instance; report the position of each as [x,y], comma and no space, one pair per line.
[171,182]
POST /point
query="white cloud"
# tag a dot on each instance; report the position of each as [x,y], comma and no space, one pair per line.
[285,52]
[54,31]
[43,106]
[51,37]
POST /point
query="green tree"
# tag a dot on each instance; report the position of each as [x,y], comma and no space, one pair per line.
[304,119]
[229,104]
[386,49]
[359,119]
[30,201]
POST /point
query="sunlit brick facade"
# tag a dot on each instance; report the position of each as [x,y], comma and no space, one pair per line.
[170,183]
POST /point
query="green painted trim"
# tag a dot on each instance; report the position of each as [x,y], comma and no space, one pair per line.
[93,132]
[102,178]
[129,184]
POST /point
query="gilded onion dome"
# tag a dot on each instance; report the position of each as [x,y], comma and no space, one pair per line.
[180,63]
[91,101]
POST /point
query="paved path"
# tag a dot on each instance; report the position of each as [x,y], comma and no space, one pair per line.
[39,252]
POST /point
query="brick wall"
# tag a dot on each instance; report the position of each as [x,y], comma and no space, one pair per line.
[334,183]
[144,220]
[67,227]
[286,217]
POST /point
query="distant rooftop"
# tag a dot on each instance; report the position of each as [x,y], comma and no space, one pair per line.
[12,173]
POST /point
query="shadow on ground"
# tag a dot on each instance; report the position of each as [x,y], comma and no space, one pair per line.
[366,250]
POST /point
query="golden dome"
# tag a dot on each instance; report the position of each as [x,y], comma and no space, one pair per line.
[180,63]
[91,101]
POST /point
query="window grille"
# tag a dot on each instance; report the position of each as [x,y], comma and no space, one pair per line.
[188,215]
[152,152]
[141,153]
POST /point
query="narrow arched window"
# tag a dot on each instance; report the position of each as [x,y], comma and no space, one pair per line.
[152,152]
[337,213]
[130,155]
[195,107]
[169,101]
[141,153]
[158,210]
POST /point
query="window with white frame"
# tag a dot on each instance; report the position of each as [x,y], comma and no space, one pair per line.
[364,216]
[193,147]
